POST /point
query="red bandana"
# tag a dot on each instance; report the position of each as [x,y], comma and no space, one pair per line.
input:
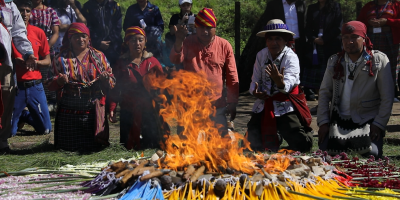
[357,28]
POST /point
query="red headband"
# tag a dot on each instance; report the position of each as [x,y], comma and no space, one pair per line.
[356,28]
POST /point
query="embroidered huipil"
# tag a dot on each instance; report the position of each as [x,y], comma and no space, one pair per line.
[291,79]
[391,13]
[81,73]
[216,60]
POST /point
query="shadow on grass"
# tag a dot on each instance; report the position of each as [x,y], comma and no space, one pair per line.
[27,133]
[48,147]
[393,128]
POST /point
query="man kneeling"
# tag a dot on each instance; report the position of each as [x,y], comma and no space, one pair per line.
[356,96]
[280,110]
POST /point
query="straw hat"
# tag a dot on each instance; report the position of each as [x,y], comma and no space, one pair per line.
[275,25]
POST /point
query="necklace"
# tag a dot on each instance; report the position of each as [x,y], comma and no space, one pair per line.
[352,68]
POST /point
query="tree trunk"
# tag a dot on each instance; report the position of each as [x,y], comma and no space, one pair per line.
[248,56]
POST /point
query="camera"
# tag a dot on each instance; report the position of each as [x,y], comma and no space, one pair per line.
[189,23]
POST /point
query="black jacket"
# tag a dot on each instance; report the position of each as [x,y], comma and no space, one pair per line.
[332,28]
[275,11]
[105,24]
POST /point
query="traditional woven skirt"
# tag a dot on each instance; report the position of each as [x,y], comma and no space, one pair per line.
[347,136]
[384,43]
[313,74]
[75,123]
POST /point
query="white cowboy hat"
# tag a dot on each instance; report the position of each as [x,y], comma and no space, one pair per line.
[275,25]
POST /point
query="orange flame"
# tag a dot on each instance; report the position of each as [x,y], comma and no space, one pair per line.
[189,105]
[277,163]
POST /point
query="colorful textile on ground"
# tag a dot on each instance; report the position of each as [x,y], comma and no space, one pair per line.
[206,18]
[313,74]
[134,30]
[384,43]
[345,135]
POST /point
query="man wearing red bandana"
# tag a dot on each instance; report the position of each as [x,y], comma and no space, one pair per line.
[355,99]
[205,52]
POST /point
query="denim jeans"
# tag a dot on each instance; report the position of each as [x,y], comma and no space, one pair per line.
[38,115]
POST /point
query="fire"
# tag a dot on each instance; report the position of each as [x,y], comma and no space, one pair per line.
[189,105]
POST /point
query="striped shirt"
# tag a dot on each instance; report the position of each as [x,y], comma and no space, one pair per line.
[45,19]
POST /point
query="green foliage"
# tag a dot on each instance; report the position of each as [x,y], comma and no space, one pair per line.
[349,9]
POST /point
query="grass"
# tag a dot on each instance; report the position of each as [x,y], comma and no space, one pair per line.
[43,154]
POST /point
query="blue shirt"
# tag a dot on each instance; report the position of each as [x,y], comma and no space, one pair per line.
[151,16]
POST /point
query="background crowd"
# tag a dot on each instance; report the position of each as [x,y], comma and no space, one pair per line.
[81,57]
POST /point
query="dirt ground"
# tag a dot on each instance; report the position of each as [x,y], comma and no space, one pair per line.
[28,138]
[246,103]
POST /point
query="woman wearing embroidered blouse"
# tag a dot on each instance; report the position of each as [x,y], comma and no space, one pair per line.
[148,17]
[81,75]
[382,17]
[138,116]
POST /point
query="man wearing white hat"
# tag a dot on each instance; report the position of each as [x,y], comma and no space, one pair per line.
[185,17]
[280,110]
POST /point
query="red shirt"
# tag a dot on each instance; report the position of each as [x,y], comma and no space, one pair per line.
[129,90]
[40,49]
[391,13]
[216,60]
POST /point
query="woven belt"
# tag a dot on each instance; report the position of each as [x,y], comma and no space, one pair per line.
[384,29]
[28,84]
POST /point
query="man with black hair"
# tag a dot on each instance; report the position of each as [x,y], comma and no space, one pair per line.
[356,96]
[280,110]
[293,14]
[30,89]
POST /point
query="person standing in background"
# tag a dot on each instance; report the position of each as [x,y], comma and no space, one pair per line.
[46,18]
[68,13]
[104,20]
[382,18]
[323,24]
